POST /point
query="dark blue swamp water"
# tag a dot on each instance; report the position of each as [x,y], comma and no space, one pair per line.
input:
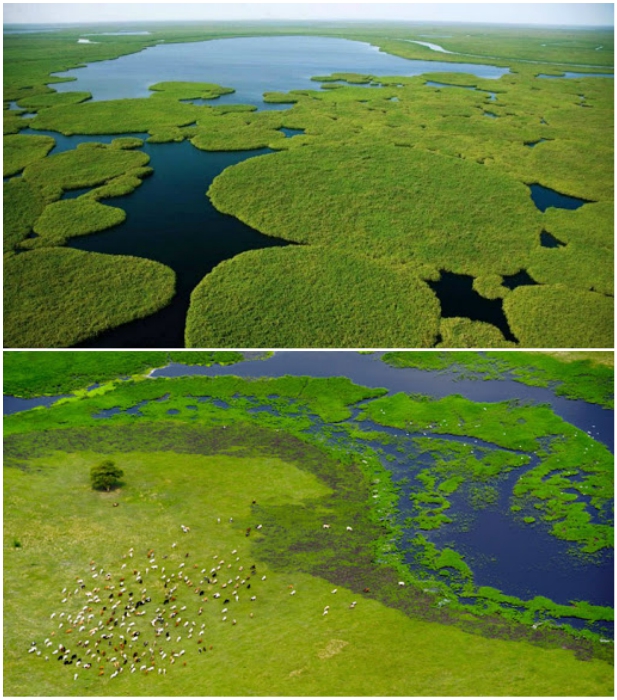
[170,220]
[547,240]
[543,198]
[252,66]
[457,298]
[13,404]
[503,552]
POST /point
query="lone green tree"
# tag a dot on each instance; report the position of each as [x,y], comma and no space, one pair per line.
[105,476]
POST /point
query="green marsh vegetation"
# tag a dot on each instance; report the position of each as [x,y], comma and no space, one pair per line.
[572,459]
[19,151]
[425,155]
[61,372]
[388,172]
[72,295]
[204,467]
[392,308]
[578,375]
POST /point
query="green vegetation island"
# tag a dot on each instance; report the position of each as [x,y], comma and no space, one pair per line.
[219,535]
[391,188]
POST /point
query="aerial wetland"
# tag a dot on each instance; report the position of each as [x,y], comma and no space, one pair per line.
[207,189]
[298,523]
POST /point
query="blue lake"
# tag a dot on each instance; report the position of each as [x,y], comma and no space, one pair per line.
[252,66]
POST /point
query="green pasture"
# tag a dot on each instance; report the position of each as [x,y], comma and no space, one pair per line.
[412,177]
[288,647]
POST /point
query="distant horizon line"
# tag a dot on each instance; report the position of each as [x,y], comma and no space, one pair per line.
[308,21]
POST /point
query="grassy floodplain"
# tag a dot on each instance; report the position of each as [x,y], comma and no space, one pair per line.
[391,179]
[255,489]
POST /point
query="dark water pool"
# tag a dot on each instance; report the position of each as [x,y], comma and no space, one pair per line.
[520,279]
[13,404]
[547,240]
[251,65]
[458,298]
[544,197]
[291,132]
[170,219]
[532,144]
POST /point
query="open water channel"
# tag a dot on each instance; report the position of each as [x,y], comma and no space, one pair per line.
[169,219]
[502,551]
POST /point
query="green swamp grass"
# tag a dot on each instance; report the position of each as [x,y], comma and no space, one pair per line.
[71,295]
